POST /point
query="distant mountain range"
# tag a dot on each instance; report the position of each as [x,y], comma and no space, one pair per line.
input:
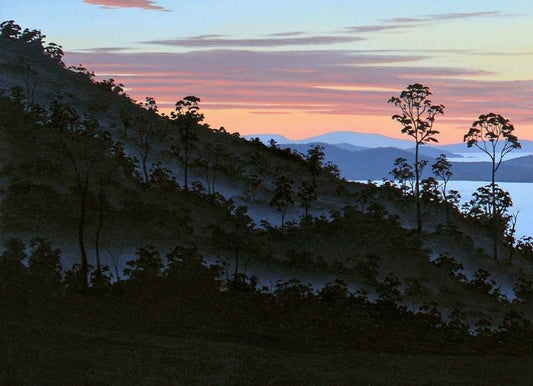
[342,137]
[361,156]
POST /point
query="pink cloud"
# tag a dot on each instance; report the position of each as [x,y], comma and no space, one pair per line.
[449,16]
[217,41]
[143,4]
[271,112]
[334,84]
[402,23]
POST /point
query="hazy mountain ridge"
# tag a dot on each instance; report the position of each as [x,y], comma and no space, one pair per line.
[353,160]
[378,140]
[341,137]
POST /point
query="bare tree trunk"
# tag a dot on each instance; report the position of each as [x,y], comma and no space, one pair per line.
[215,167]
[207,178]
[186,171]
[145,168]
[101,207]
[446,204]
[81,230]
[512,231]
[114,261]
[236,263]
[417,192]
[83,187]
[494,216]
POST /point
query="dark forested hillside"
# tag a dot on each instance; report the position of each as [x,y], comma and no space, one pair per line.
[155,238]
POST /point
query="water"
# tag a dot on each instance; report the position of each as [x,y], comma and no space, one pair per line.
[521,194]
[482,157]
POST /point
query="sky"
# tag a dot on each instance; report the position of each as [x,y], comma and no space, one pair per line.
[302,68]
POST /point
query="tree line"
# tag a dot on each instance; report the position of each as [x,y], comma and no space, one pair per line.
[96,169]
[491,133]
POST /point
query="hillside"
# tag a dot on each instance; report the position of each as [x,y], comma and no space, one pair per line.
[224,169]
[121,218]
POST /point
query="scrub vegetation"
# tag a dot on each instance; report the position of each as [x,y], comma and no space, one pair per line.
[152,248]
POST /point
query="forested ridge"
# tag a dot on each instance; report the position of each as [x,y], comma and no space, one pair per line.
[126,227]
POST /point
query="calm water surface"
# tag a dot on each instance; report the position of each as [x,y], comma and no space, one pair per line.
[521,194]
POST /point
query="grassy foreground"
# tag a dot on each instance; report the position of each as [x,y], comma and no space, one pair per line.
[48,355]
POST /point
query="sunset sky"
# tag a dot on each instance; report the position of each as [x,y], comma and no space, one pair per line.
[303,68]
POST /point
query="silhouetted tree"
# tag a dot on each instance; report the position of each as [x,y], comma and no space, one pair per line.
[481,206]
[86,149]
[334,292]
[332,169]
[490,204]
[211,162]
[510,232]
[188,271]
[103,185]
[109,85]
[368,267]
[493,203]
[55,52]
[456,322]
[14,252]
[146,131]
[162,177]
[100,279]
[430,190]
[10,30]
[236,237]
[146,266]
[13,275]
[415,290]
[307,194]
[493,135]
[89,151]
[34,37]
[115,260]
[523,290]
[45,266]
[483,282]
[283,197]
[186,118]
[452,267]
[26,67]
[417,118]
[315,158]
[388,291]
[82,71]
[442,169]
[524,246]
[404,174]
[293,289]
[253,183]
[259,162]
[364,197]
